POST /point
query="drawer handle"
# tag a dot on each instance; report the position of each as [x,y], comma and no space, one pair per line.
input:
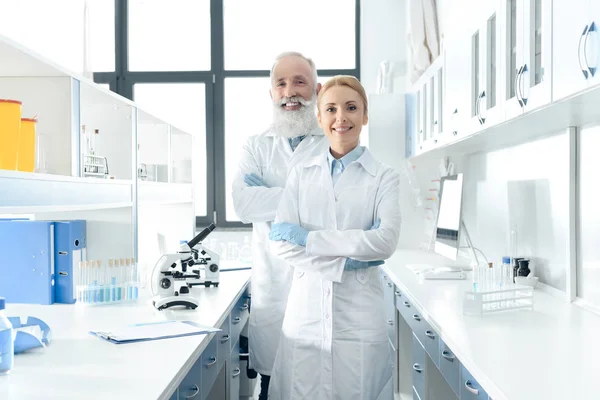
[244,307]
[406,304]
[195,391]
[390,322]
[447,355]
[237,320]
[389,284]
[429,334]
[213,361]
[470,388]
[398,293]
[225,338]
[236,372]
[246,355]
[417,368]
[416,317]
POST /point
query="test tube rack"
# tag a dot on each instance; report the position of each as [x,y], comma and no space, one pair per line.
[482,302]
[117,281]
[95,166]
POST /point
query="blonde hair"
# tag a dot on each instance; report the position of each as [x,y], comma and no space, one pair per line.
[344,80]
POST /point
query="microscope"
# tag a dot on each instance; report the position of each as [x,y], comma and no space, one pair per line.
[174,274]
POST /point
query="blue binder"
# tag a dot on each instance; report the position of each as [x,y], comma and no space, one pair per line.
[27,261]
[69,250]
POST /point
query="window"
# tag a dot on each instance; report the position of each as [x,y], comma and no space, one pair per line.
[180,67]
[253,43]
[169,35]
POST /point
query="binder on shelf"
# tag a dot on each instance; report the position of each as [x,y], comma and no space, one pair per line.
[27,261]
[69,250]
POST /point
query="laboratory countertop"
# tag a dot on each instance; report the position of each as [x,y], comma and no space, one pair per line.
[551,353]
[78,365]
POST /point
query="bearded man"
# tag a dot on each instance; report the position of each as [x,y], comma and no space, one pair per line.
[293,136]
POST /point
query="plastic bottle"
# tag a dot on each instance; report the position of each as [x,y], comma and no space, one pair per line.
[246,251]
[7,348]
[506,272]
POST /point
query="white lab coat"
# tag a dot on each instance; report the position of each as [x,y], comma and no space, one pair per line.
[334,342]
[270,157]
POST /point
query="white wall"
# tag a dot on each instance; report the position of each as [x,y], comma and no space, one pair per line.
[383,37]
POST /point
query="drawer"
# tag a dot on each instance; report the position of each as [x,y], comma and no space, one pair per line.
[223,344]
[407,311]
[234,371]
[469,388]
[239,317]
[390,309]
[450,367]
[430,340]
[209,360]
[191,386]
[418,372]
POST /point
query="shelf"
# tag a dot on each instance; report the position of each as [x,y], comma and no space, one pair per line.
[32,192]
[160,193]
[578,110]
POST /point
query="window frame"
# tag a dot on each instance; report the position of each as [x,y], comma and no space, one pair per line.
[121,81]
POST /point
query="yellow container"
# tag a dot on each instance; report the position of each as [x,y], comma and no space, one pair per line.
[10,124]
[26,151]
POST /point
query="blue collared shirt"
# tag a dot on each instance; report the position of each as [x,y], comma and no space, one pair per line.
[338,166]
[295,141]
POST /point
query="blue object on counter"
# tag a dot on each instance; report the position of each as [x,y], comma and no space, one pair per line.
[6,342]
[27,261]
[69,250]
[25,341]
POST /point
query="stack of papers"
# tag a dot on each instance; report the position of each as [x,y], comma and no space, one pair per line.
[153,331]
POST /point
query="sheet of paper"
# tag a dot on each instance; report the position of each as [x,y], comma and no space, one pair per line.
[155,331]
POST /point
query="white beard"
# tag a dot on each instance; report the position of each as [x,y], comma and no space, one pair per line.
[294,123]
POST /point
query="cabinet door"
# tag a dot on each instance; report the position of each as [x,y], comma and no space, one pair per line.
[457,83]
[476,73]
[491,110]
[570,29]
[513,59]
[536,79]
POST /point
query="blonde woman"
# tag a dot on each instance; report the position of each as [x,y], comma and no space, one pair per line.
[338,218]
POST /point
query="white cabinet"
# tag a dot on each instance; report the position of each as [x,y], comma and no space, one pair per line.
[486,44]
[528,55]
[576,46]
[456,98]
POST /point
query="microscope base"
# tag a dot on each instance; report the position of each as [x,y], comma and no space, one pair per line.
[162,303]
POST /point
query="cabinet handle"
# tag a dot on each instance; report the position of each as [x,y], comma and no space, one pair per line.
[517,87]
[225,338]
[237,320]
[477,107]
[244,307]
[447,355]
[406,304]
[389,284]
[523,98]
[455,111]
[390,322]
[417,368]
[213,361]
[195,391]
[236,373]
[454,133]
[416,317]
[592,29]
[242,355]
[429,334]
[470,388]
[398,293]
[481,119]
[584,34]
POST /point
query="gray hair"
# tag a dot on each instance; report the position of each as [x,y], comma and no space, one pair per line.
[296,54]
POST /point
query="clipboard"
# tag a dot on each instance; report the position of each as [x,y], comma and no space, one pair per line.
[153,331]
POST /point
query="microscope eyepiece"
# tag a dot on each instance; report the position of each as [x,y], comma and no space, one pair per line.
[201,236]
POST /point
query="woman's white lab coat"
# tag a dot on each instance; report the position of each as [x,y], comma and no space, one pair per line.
[270,157]
[334,342]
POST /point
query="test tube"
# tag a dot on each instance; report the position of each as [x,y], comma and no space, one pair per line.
[136,279]
[122,283]
[113,280]
[129,280]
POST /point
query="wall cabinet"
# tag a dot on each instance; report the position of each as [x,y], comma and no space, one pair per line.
[495,68]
